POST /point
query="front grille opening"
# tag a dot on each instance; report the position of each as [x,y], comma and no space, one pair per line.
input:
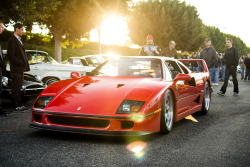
[96,123]
[37,117]
[127,124]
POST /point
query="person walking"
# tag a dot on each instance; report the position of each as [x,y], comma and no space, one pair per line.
[18,65]
[247,64]
[232,61]
[170,51]
[217,68]
[150,49]
[2,69]
[242,66]
[208,54]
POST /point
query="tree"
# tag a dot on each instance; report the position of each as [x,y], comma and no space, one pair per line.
[166,20]
[219,40]
[72,19]
[26,11]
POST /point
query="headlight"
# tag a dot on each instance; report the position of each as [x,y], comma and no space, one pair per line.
[130,106]
[5,81]
[42,101]
[38,78]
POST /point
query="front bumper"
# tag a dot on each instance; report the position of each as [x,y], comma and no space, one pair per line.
[91,124]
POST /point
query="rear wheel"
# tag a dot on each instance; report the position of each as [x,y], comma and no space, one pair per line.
[206,99]
[167,113]
[50,81]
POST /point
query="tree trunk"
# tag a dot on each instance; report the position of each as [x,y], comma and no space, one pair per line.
[58,47]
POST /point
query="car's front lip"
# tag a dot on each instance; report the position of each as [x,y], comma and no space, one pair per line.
[87,131]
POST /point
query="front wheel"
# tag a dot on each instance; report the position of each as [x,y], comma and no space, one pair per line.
[167,113]
[206,99]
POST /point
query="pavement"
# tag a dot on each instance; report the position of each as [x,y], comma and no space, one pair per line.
[221,138]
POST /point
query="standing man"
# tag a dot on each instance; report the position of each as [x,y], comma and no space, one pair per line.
[200,50]
[247,64]
[18,65]
[170,51]
[232,61]
[2,68]
[209,55]
[242,66]
[150,49]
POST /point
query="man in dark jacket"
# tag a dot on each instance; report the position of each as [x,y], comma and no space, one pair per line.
[209,55]
[150,49]
[18,65]
[232,61]
[247,64]
[170,51]
[2,68]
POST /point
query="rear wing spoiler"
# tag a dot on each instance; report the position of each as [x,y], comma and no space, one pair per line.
[189,63]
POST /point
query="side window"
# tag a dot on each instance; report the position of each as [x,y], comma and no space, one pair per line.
[183,68]
[168,74]
[173,67]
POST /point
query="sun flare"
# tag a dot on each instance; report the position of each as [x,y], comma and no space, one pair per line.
[113,31]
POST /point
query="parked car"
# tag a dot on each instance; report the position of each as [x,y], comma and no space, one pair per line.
[90,62]
[48,69]
[32,86]
[135,95]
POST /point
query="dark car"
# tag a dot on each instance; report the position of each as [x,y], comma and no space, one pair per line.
[32,86]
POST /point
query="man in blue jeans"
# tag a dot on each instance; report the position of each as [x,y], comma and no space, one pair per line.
[209,55]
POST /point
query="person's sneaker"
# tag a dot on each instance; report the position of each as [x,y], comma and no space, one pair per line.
[24,108]
[221,93]
[236,94]
[18,109]
[3,114]
[216,84]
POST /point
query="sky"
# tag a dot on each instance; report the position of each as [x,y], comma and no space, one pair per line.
[230,16]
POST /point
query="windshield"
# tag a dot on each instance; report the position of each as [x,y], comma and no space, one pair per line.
[39,58]
[130,67]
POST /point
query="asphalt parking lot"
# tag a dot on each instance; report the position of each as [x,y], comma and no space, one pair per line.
[221,138]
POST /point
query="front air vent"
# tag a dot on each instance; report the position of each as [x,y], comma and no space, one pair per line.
[86,84]
[120,85]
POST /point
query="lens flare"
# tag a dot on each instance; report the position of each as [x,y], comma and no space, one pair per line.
[137,148]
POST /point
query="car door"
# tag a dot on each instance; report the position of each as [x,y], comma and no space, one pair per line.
[184,88]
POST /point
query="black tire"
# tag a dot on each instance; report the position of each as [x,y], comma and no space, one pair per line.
[50,81]
[206,99]
[167,113]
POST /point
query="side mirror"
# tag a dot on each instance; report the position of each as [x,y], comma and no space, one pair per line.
[75,75]
[184,77]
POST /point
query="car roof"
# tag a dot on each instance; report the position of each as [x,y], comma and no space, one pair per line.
[5,51]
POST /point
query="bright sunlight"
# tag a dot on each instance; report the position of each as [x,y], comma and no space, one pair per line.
[113,31]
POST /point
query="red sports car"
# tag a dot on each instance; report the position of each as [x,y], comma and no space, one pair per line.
[124,96]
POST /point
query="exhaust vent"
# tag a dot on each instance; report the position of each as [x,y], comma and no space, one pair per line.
[86,84]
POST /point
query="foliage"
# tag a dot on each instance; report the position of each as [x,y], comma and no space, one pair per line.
[26,11]
[166,20]
[219,40]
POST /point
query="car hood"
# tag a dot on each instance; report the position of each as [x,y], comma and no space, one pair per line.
[100,95]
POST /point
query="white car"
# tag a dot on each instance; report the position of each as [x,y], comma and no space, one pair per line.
[48,69]
[90,62]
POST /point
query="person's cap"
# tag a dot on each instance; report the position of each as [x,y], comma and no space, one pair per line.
[172,42]
[150,37]
[208,40]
